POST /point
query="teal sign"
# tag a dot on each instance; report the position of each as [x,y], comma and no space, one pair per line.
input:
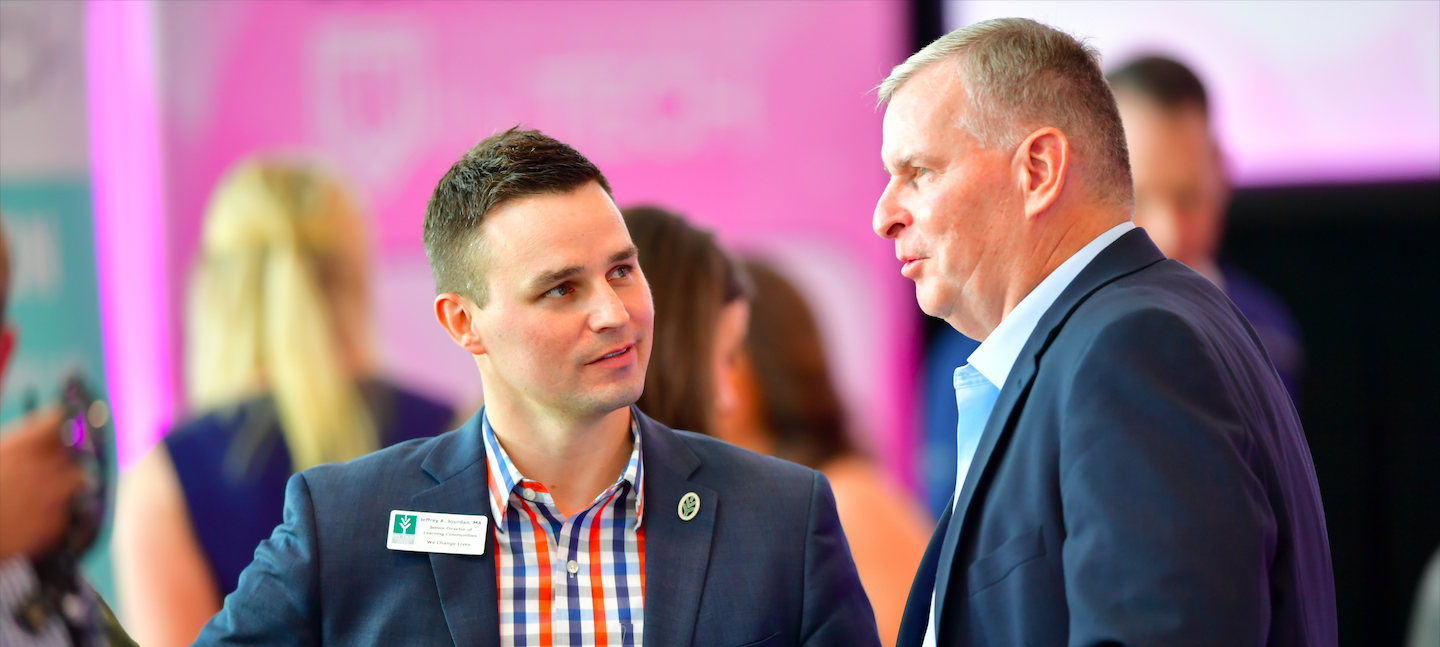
[53,305]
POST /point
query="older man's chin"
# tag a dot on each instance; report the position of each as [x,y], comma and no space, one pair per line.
[932,301]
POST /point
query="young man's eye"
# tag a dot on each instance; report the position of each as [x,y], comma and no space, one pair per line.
[621,272]
[558,291]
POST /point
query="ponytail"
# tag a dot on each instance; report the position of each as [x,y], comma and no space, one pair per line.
[259,320]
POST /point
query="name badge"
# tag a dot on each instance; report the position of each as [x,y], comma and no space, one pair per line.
[432,532]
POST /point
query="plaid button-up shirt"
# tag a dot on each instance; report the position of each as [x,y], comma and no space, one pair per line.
[567,581]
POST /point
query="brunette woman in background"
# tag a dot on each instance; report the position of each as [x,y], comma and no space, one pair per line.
[737,355]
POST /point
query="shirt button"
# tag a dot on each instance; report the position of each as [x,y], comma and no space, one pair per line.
[572,567]
[528,494]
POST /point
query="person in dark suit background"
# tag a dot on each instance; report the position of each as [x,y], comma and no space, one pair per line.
[600,526]
[1182,191]
[1132,471]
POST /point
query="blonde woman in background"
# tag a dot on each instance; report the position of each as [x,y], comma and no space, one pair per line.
[280,374]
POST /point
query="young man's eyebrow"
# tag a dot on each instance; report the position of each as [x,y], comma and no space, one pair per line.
[624,254]
[553,276]
[557,275]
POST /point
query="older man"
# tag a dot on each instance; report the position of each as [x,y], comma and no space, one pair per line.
[1132,471]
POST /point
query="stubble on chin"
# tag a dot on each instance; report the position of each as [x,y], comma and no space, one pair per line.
[602,401]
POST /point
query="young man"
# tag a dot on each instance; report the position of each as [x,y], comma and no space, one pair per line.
[1132,471]
[559,514]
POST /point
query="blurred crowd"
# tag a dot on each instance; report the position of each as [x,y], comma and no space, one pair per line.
[280,376]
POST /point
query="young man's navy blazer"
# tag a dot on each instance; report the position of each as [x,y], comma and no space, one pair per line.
[763,563]
[1143,480]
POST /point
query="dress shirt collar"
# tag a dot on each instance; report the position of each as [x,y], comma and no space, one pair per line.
[997,354]
[506,479]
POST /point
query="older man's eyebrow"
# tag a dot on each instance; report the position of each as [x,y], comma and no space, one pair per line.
[903,163]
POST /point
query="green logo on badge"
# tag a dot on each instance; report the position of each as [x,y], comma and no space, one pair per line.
[689,506]
[404,524]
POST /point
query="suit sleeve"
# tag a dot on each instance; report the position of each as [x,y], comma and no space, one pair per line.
[277,601]
[1168,530]
[836,610]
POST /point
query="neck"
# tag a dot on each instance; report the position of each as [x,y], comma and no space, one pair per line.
[574,458]
[1047,246]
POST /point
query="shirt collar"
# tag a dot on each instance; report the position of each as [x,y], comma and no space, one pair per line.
[505,478]
[997,354]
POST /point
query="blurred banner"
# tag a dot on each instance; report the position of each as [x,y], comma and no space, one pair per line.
[1301,92]
[754,119]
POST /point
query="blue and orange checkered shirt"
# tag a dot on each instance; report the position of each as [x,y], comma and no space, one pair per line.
[567,581]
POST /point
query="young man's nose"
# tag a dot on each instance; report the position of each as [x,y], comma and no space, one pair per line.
[608,310]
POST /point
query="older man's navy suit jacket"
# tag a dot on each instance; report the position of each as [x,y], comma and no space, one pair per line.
[763,563]
[1143,480]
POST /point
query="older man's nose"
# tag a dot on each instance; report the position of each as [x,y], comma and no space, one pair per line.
[889,217]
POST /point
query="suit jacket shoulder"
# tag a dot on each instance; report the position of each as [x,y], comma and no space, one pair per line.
[765,530]
[726,462]
[1143,479]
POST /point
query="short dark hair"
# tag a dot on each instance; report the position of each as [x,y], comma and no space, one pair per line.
[1165,81]
[514,164]
[691,279]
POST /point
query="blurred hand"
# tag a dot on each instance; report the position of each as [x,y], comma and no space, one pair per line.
[37,481]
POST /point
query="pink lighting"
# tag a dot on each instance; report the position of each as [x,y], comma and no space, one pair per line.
[129,220]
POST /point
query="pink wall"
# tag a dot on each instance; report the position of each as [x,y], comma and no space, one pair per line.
[130,240]
[752,118]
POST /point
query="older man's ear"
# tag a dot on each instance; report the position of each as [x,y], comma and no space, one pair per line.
[1042,166]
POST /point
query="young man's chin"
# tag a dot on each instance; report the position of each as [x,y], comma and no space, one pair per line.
[602,401]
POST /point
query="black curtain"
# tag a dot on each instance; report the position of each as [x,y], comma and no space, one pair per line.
[1359,267]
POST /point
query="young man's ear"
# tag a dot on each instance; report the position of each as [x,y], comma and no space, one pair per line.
[457,316]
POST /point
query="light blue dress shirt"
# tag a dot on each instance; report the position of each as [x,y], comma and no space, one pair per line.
[975,397]
[978,383]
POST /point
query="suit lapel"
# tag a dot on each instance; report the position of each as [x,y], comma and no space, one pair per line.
[1130,253]
[466,583]
[917,605]
[677,552]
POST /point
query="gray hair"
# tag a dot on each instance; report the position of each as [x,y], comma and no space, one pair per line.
[1020,75]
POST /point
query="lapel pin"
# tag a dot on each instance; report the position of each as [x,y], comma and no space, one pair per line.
[689,506]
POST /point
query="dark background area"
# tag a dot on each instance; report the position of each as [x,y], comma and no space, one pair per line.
[1359,267]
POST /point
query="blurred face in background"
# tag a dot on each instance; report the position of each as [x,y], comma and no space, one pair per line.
[566,325]
[728,356]
[1180,187]
[951,205]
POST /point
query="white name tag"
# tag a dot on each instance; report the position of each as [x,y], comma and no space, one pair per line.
[432,532]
